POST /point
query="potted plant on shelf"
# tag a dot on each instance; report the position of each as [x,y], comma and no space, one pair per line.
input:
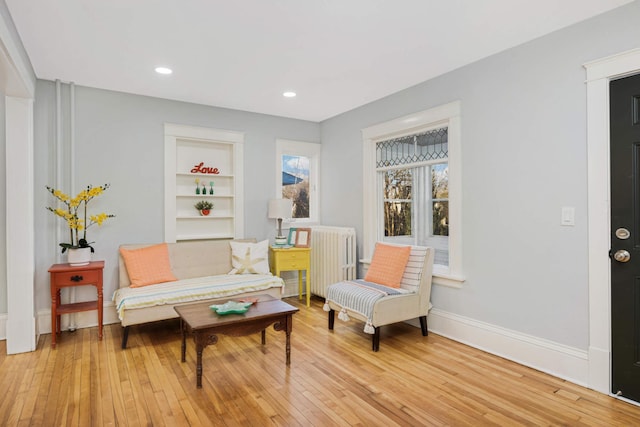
[204,207]
[75,215]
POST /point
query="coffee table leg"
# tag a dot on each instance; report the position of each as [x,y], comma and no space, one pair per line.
[288,348]
[203,339]
[199,348]
[264,336]
[288,344]
[183,347]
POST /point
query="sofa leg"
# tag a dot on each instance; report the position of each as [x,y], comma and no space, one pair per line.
[125,337]
[375,339]
[332,318]
[423,326]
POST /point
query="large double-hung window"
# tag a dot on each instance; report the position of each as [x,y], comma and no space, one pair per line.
[413,173]
[412,186]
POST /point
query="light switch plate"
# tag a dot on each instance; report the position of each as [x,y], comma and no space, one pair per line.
[568,216]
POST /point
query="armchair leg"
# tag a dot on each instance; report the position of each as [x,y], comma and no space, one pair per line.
[125,337]
[375,339]
[332,318]
[423,326]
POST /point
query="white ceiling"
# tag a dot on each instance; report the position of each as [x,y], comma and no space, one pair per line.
[242,54]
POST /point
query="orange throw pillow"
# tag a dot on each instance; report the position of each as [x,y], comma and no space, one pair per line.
[388,264]
[148,266]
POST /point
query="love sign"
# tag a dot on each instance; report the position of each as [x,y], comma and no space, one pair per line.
[201,168]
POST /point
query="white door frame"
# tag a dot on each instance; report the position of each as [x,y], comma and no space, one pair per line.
[599,74]
[18,86]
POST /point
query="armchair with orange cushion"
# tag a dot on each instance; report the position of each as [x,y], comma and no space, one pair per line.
[397,287]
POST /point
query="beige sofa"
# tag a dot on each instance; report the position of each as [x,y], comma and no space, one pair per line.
[195,264]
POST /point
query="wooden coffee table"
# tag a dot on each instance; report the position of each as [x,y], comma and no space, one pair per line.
[205,325]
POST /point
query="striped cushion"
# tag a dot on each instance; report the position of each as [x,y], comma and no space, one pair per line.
[413,270]
[358,296]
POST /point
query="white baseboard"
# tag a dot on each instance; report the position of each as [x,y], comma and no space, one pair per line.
[3,326]
[559,360]
[599,378]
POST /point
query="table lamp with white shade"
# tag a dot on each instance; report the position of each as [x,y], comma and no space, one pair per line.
[279,209]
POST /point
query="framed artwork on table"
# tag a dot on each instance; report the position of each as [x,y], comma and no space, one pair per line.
[303,237]
[291,240]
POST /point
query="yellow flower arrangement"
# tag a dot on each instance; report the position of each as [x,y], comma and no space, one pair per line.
[78,225]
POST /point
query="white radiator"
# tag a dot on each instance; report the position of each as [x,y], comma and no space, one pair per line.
[333,257]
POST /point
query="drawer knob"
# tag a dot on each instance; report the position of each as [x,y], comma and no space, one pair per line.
[76,278]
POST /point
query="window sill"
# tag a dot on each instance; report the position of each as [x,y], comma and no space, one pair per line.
[441,278]
[448,280]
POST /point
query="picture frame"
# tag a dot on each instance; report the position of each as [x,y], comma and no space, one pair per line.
[291,240]
[303,238]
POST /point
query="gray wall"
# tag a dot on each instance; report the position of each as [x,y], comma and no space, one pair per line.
[120,140]
[523,158]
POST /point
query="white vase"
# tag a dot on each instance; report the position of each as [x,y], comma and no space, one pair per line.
[80,256]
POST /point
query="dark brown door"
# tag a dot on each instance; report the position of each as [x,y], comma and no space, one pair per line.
[625,236]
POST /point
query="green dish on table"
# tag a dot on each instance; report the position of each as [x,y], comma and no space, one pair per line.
[231,307]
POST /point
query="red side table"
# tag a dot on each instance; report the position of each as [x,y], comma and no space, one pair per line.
[65,276]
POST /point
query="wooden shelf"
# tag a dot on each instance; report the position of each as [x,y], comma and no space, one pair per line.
[208,175]
[202,217]
[204,237]
[77,307]
[208,196]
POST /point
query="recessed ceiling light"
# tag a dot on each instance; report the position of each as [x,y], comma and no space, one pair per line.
[289,94]
[163,70]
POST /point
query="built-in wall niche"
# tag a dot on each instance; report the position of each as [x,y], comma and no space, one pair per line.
[203,164]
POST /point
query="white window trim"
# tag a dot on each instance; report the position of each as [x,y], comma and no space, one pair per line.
[312,151]
[447,115]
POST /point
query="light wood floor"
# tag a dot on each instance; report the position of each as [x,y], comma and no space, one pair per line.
[334,379]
